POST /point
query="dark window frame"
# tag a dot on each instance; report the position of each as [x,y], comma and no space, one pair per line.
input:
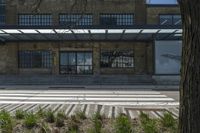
[76,63]
[31,59]
[48,21]
[172,16]
[73,16]
[2,12]
[119,50]
[128,21]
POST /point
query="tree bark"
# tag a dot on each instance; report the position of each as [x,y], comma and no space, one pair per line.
[189,121]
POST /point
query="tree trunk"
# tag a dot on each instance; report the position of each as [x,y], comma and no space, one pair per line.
[189,121]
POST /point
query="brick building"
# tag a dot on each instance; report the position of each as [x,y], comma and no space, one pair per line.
[89,38]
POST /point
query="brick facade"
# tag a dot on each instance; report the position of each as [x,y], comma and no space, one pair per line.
[143,51]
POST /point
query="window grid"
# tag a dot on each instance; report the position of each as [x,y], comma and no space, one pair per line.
[35,59]
[76,19]
[170,19]
[76,63]
[35,20]
[117,59]
[117,19]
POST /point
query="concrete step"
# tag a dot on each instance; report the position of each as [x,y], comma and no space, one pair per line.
[75,80]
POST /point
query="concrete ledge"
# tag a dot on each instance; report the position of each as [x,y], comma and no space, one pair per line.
[166,80]
[91,87]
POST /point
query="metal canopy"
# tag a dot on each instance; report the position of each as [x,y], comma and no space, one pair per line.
[123,33]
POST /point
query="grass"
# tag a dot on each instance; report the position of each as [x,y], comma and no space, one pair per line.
[6,124]
[20,114]
[30,120]
[40,112]
[60,118]
[123,124]
[81,115]
[73,124]
[49,116]
[148,124]
[169,123]
[97,123]
[47,121]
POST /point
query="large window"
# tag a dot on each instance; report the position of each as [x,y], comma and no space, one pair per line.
[76,63]
[35,19]
[75,19]
[117,59]
[170,20]
[35,59]
[168,57]
[2,12]
[116,19]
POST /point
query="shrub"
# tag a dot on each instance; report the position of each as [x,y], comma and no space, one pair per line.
[49,116]
[123,124]
[20,114]
[30,120]
[168,121]
[148,124]
[5,122]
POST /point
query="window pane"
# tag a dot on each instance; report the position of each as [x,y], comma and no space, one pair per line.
[116,19]
[35,20]
[72,58]
[35,59]
[166,20]
[88,59]
[80,58]
[177,20]
[75,19]
[77,63]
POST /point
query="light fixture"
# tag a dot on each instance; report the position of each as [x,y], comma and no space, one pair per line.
[46,31]
[80,31]
[115,31]
[63,31]
[29,31]
[150,31]
[12,31]
[98,31]
[179,31]
[132,31]
[166,30]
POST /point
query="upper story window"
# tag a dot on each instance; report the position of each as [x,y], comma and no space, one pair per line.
[170,20]
[117,19]
[2,12]
[75,19]
[35,19]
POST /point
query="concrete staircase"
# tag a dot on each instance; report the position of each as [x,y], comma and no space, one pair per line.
[76,80]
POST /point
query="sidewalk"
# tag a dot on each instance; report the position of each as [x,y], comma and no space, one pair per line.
[91,87]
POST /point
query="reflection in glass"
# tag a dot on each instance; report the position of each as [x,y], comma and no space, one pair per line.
[76,62]
[117,59]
